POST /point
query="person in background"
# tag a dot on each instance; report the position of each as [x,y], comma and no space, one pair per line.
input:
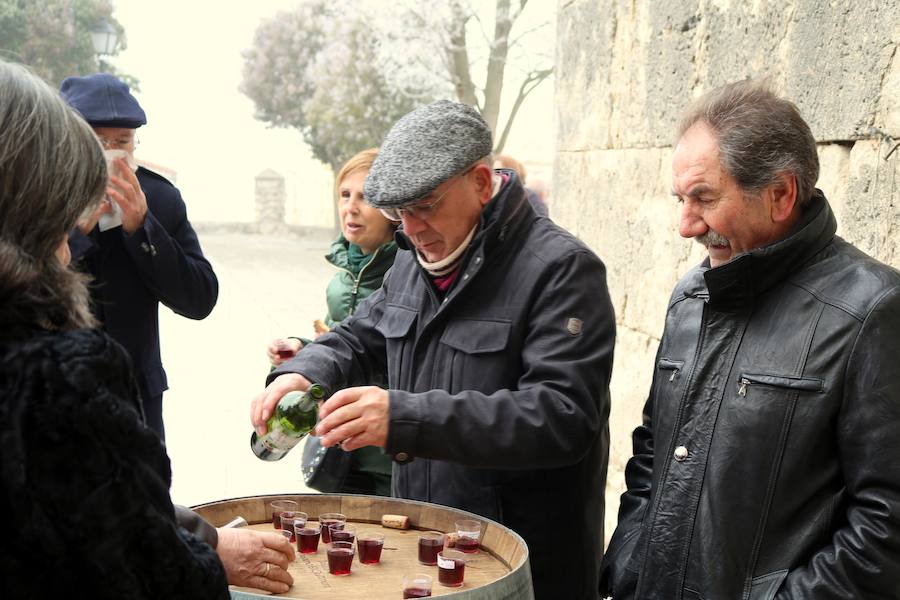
[505,161]
[84,484]
[766,464]
[495,331]
[139,246]
[362,254]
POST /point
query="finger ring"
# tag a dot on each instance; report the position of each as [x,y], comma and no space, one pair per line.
[268,566]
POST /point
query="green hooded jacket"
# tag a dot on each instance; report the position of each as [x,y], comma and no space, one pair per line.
[345,291]
[349,286]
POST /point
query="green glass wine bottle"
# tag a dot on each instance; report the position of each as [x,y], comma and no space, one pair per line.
[294,417]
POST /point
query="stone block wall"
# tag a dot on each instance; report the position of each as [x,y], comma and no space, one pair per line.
[625,69]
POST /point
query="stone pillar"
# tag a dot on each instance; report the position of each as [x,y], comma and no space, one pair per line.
[270,201]
[624,72]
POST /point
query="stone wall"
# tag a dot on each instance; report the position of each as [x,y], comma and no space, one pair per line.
[625,69]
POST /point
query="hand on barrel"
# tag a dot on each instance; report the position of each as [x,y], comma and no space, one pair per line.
[354,417]
[264,403]
[256,559]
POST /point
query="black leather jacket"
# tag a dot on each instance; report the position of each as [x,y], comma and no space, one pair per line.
[768,462]
[498,397]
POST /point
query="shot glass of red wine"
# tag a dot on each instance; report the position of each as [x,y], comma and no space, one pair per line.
[417,586]
[347,533]
[308,538]
[278,507]
[468,533]
[369,546]
[329,521]
[340,558]
[284,349]
[290,520]
[451,568]
[430,543]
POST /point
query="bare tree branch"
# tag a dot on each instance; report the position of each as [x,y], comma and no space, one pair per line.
[515,41]
[532,81]
[474,14]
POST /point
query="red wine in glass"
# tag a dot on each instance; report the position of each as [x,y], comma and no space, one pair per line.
[467,545]
[307,540]
[428,550]
[327,526]
[339,560]
[369,551]
[451,571]
[339,535]
[284,351]
[276,519]
[414,592]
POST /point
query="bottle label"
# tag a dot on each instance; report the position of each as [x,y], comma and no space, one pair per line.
[277,439]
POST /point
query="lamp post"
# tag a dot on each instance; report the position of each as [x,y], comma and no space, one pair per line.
[105,38]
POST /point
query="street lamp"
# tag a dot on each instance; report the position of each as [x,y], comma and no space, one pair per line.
[104,38]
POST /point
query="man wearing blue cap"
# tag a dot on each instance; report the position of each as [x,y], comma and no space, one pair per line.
[495,332]
[140,247]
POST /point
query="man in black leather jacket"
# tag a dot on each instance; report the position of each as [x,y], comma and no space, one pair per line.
[767,462]
[495,331]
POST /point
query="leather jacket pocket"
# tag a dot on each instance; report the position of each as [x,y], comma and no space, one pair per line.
[395,325]
[784,382]
[766,586]
[476,357]
[673,367]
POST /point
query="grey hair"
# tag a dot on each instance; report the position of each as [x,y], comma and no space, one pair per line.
[760,136]
[52,171]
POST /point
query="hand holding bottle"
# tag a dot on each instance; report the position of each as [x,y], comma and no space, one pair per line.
[294,417]
[263,405]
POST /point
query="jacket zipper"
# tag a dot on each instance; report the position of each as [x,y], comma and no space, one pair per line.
[800,384]
[356,281]
[671,365]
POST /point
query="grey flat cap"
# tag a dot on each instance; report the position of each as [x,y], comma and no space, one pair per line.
[424,149]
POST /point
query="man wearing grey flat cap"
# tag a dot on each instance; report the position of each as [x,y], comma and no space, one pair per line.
[495,332]
[139,247]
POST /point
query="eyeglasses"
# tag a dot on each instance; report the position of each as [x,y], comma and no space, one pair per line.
[421,209]
[119,142]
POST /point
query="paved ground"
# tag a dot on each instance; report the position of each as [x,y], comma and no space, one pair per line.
[269,287]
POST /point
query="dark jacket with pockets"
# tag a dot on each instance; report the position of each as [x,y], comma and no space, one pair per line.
[161,262]
[498,392]
[767,463]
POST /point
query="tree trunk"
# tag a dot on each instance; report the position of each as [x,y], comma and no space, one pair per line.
[493,85]
[458,57]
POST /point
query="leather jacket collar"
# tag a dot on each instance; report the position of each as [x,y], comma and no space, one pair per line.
[738,282]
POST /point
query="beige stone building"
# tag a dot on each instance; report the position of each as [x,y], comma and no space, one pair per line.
[624,71]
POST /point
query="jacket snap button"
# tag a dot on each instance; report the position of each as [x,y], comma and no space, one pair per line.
[681,453]
[401,456]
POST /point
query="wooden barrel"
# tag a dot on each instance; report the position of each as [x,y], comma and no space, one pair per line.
[499,571]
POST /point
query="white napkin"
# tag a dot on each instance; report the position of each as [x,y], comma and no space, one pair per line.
[114,218]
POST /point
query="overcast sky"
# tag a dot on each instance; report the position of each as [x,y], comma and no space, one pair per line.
[187,56]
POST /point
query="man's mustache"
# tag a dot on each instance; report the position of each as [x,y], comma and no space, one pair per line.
[712,238]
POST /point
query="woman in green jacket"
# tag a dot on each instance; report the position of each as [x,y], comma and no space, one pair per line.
[362,254]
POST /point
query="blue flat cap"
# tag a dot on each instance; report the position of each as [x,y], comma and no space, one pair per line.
[103,100]
[424,149]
